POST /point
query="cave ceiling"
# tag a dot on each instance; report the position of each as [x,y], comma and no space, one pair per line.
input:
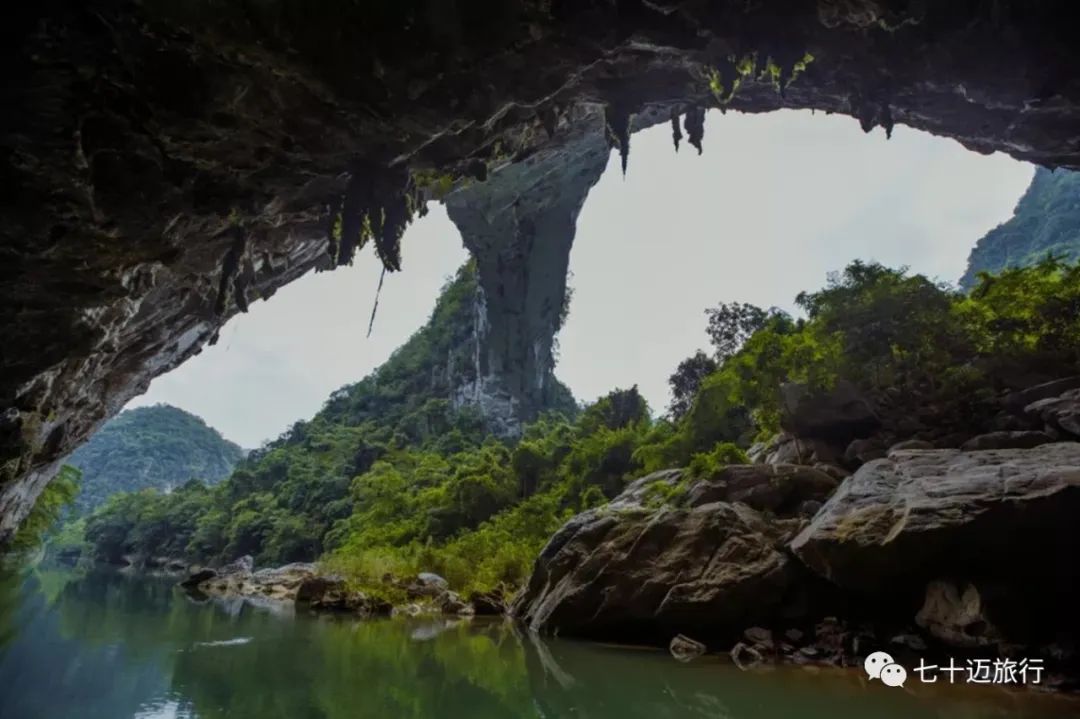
[167,163]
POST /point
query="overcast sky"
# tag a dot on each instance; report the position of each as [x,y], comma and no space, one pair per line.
[775,203]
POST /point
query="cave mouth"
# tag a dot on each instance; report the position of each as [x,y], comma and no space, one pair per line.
[189,161]
[760,216]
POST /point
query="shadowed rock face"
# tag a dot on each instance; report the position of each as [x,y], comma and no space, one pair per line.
[520,226]
[1003,519]
[710,565]
[165,164]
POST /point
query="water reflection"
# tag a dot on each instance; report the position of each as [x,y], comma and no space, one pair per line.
[107,645]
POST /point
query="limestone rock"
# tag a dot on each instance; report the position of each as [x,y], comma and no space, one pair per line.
[910,444]
[427,584]
[785,448]
[1017,401]
[685,649]
[955,615]
[242,565]
[745,656]
[861,451]
[1006,440]
[451,603]
[1061,413]
[197,576]
[1002,518]
[491,603]
[779,488]
[713,562]
[314,588]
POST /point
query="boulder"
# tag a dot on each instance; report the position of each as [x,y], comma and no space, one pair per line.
[489,604]
[243,565]
[1019,400]
[834,471]
[1006,440]
[315,589]
[427,584]
[909,444]
[788,449]
[861,451]
[1002,518]
[745,656]
[685,649]
[197,576]
[332,594]
[638,572]
[1061,413]
[837,414]
[778,488]
[955,615]
[288,577]
[450,603]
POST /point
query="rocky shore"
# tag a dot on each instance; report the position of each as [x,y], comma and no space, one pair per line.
[834,544]
[304,585]
[831,545]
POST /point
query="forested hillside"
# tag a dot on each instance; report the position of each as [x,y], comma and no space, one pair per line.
[390,478]
[293,498]
[159,447]
[1046,222]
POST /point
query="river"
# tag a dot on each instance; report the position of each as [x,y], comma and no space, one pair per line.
[111,646]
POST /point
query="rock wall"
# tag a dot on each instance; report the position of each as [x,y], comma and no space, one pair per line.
[164,164]
[519,225]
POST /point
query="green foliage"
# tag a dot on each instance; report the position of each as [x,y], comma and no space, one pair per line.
[1046,223]
[157,447]
[730,324]
[388,465]
[686,381]
[389,478]
[908,343]
[58,494]
[480,517]
[706,464]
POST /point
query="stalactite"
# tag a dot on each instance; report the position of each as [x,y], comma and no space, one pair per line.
[395,217]
[676,133]
[379,203]
[333,228]
[354,232]
[617,126]
[694,122]
[375,306]
[230,265]
[549,119]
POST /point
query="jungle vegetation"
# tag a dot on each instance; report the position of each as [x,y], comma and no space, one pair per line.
[390,477]
[1045,223]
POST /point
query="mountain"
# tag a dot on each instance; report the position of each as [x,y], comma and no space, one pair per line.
[1046,221]
[407,427]
[158,447]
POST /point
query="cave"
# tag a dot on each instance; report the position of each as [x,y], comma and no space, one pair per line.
[167,163]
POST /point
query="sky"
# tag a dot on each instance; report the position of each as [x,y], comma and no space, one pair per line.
[774,204]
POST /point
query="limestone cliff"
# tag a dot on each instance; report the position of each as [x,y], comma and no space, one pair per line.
[1046,222]
[165,163]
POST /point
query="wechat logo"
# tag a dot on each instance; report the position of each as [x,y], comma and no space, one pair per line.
[880,665]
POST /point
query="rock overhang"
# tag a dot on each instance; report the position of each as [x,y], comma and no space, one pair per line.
[169,163]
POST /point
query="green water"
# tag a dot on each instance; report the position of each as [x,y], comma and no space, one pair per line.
[112,646]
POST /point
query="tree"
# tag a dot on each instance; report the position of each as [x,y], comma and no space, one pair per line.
[686,381]
[731,324]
